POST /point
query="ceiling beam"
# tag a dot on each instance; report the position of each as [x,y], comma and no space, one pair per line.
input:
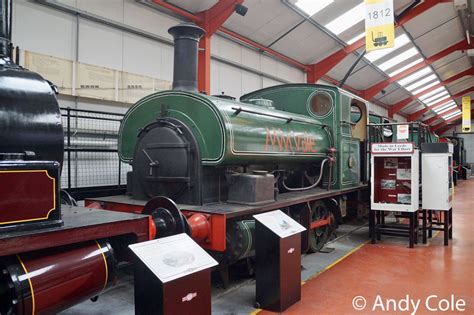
[415,115]
[395,108]
[211,20]
[375,89]
[261,47]
[443,123]
[452,124]
[177,10]
[319,69]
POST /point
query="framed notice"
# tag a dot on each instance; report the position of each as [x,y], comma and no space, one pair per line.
[404,174]
[402,132]
[404,198]
[388,184]
[390,163]
[173,257]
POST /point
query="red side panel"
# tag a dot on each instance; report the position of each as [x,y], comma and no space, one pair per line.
[27,195]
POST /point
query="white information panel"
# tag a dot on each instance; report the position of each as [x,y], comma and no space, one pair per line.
[173,257]
[403,132]
[280,223]
[395,147]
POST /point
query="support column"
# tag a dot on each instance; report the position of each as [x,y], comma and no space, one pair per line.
[204,65]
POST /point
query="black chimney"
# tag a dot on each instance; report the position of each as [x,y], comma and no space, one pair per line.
[186,38]
[5,28]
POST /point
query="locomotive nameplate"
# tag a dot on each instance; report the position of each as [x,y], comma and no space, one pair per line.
[27,195]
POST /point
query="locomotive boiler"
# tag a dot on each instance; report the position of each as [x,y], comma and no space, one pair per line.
[205,164]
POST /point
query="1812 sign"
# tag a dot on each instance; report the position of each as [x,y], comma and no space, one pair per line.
[379,27]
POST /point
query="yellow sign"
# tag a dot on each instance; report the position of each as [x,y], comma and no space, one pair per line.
[379,24]
[466,114]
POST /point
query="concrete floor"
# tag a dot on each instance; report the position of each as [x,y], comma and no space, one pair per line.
[239,298]
[387,270]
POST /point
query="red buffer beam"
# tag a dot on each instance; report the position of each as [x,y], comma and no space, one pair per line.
[415,115]
[375,89]
[318,70]
[402,104]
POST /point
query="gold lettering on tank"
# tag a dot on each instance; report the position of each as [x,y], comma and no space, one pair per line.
[280,141]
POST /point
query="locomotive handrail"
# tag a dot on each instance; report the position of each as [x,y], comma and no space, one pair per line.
[400,123]
[348,122]
[238,110]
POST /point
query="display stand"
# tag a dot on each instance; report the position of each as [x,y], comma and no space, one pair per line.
[437,188]
[395,188]
[278,266]
[172,276]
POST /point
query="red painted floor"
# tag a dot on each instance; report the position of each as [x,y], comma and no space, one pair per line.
[393,271]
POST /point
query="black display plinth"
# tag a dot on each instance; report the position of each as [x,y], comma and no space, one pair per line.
[172,276]
[187,295]
[278,266]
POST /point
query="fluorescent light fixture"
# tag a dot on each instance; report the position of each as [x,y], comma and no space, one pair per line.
[354,39]
[452,115]
[436,91]
[398,58]
[347,19]
[444,106]
[415,76]
[312,7]
[436,97]
[400,41]
[426,86]
[436,101]
[411,64]
[445,109]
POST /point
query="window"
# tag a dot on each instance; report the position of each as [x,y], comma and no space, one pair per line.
[321,103]
[431,78]
[414,76]
[312,7]
[347,19]
[356,113]
[398,59]
[434,92]
[450,116]
[436,101]
[400,70]
[356,38]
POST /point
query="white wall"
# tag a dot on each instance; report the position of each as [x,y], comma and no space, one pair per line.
[45,30]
